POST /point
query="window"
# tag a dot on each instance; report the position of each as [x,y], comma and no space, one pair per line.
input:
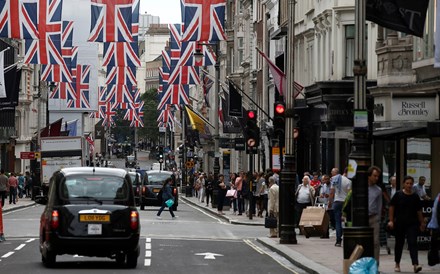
[349,50]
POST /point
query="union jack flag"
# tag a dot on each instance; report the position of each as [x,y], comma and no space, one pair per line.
[111,21]
[121,54]
[184,76]
[18,19]
[174,95]
[62,90]
[46,49]
[134,113]
[207,85]
[121,76]
[166,59]
[119,94]
[135,20]
[81,85]
[204,20]
[102,96]
[109,113]
[56,73]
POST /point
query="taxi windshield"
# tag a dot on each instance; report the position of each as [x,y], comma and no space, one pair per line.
[95,187]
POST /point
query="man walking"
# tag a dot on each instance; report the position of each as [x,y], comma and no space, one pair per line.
[419,188]
[273,206]
[374,206]
[4,186]
[13,185]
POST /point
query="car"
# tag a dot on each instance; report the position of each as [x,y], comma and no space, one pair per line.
[90,211]
[130,161]
[157,166]
[136,180]
[152,185]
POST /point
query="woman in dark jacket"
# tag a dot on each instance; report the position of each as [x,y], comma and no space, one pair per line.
[221,193]
[166,195]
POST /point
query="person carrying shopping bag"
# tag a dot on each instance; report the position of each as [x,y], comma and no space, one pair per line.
[166,195]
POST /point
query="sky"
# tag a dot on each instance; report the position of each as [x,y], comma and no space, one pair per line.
[167,10]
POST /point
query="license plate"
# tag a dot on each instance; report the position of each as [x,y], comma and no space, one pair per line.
[156,190]
[92,218]
[94,229]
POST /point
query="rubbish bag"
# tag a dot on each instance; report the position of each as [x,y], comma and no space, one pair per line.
[366,265]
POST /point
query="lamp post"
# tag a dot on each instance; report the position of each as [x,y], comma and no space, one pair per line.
[360,233]
[198,55]
[288,172]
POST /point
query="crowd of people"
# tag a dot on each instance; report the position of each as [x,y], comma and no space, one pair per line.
[14,186]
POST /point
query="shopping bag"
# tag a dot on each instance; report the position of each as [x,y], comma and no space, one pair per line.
[169,202]
[231,193]
[270,222]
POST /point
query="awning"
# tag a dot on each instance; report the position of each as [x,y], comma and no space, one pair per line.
[398,131]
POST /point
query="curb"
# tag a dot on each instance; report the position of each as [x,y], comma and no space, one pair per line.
[296,258]
[223,217]
[18,207]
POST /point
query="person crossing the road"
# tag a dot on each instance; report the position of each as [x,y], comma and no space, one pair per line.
[166,195]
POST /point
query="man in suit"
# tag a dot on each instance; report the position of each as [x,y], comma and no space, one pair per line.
[273,204]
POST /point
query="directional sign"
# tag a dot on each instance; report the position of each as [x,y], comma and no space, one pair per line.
[209,255]
[28,155]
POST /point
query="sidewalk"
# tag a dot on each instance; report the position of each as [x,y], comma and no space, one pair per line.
[21,203]
[316,255]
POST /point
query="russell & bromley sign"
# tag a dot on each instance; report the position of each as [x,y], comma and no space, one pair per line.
[416,109]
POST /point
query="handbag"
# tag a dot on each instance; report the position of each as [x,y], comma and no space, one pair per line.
[270,222]
[169,202]
[231,193]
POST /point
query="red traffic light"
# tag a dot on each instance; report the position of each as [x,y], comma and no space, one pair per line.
[280,108]
[251,114]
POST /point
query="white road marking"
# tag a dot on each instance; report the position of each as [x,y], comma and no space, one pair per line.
[147,262]
[30,240]
[207,214]
[8,254]
[148,240]
[208,255]
[20,247]
[147,246]
[147,253]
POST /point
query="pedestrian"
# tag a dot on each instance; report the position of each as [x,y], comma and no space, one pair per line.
[273,204]
[305,195]
[21,183]
[200,184]
[374,207]
[261,182]
[28,184]
[232,178]
[4,186]
[433,253]
[13,185]
[209,188]
[406,220]
[221,186]
[340,186]
[239,188]
[392,188]
[419,189]
[166,195]
[315,182]
[324,197]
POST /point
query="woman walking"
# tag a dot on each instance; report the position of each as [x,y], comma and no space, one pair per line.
[221,193]
[166,195]
[406,219]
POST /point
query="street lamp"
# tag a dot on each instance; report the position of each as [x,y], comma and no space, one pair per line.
[198,55]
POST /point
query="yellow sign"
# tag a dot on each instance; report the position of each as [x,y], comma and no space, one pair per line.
[37,155]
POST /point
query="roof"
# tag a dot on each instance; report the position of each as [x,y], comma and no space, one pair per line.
[118,172]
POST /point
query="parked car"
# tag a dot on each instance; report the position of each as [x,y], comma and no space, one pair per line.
[136,180]
[152,185]
[90,211]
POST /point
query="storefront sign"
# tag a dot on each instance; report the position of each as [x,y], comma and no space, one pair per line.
[415,109]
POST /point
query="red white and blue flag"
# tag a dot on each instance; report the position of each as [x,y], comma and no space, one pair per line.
[119,94]
[174,95]
[108,113]
[121,54]
[121,76]
[46,49]
[62,90]
[18,19]
[204,20]
[111,21]
[135,20]
[82,88]
[184,76]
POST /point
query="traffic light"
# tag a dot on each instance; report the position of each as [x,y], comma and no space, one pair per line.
[181,149]
[279,121]
[252,131]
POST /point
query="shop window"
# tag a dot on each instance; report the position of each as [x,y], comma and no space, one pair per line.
[419,160]
[388,160]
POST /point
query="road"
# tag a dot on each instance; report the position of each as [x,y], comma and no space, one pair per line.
[197,242]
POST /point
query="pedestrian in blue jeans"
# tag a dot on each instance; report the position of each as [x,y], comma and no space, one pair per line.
[340,186]
[166,195]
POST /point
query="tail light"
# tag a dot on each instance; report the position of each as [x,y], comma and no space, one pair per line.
[134,220]
[137,190]
[143,190]
[55,220]
[174,191]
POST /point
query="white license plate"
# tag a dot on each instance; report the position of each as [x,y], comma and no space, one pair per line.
[94,229]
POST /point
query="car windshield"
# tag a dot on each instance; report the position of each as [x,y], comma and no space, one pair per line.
[157,178]
[130,158]
[94,188]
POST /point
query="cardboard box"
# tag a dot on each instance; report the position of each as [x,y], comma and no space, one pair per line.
[314,221]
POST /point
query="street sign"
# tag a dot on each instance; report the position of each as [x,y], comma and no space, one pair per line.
[27,155]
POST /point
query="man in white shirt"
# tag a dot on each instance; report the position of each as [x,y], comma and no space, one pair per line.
[340,186]
[374,206]
[419,188]
[273,204]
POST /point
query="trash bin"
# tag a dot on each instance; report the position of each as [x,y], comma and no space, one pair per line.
[188,191]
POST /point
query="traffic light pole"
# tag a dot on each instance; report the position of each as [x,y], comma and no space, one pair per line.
[288,172]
